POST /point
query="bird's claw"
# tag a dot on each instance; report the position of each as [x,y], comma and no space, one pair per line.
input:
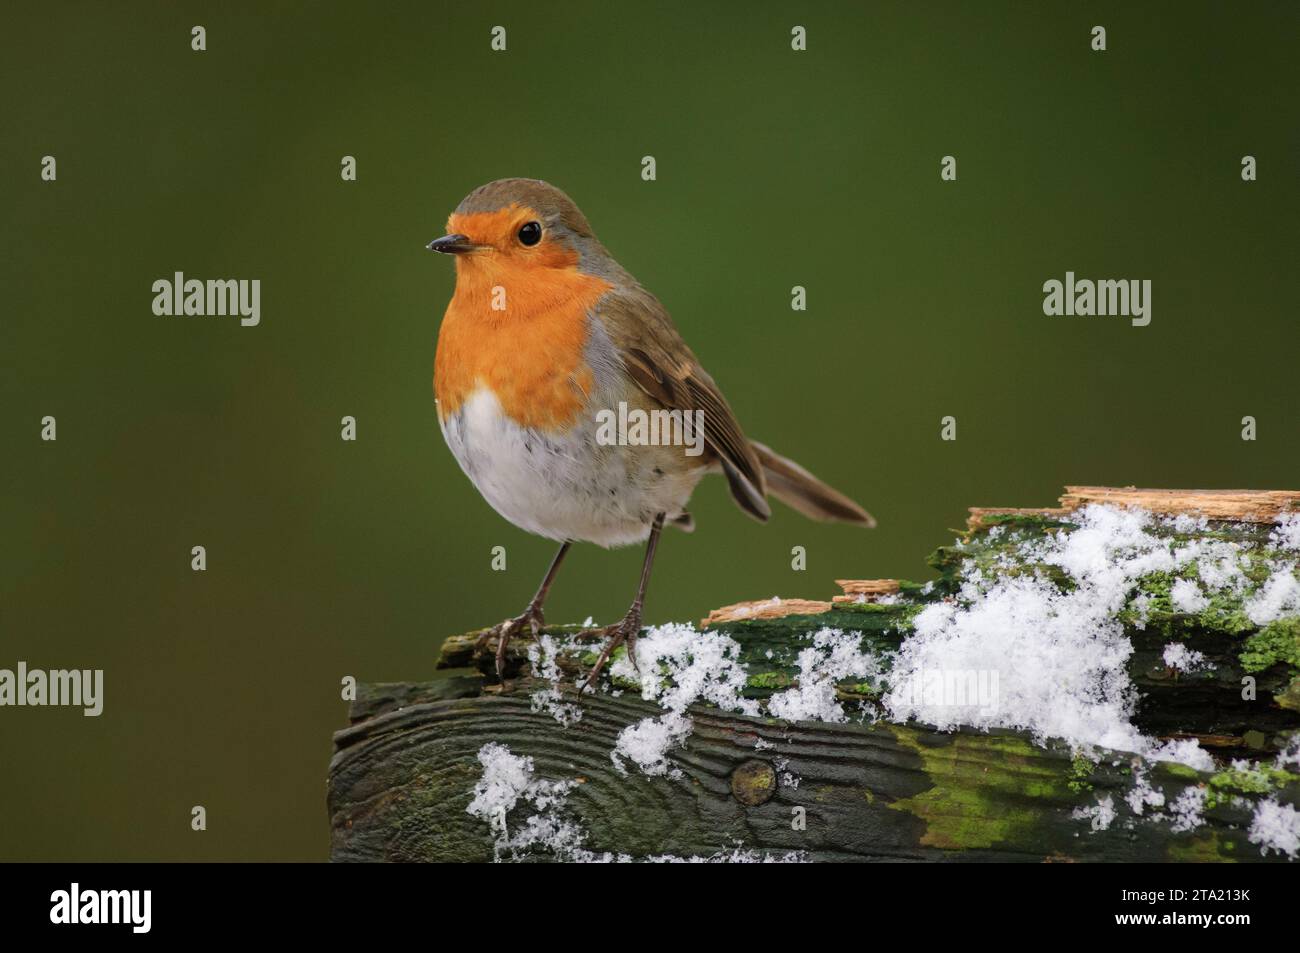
[505,631]
[618,634]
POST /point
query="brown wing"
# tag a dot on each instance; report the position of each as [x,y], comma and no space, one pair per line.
[661,364]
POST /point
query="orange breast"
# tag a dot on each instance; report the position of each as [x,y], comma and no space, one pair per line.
[530,354]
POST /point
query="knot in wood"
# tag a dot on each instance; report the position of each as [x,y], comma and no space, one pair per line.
[753,782]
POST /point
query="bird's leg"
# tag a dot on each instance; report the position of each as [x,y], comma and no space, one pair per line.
[630,626]
[531,617]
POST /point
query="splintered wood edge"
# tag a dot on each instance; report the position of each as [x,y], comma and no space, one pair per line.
[864,590]
[1241,506]
[868,587]
[1244,506]
[774,608]
[855,591]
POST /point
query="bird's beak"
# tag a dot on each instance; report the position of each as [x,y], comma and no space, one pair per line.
[453,245]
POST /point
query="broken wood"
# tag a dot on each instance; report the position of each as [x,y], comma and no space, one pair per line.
[1250,506]
[403,771]
[775,608]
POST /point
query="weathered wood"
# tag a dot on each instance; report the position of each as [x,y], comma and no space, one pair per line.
[866,590]
[402,774]
[400,784]
[1252,506]
[764,609]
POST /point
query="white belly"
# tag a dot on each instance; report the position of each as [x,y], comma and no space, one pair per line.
[566,486]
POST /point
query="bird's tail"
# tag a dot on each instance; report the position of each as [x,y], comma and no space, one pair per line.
[801,491]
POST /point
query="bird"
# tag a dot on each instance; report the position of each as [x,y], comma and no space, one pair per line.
[546,341]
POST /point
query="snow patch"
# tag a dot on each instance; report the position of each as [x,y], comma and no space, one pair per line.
[1279,596]
[1187,751]
[1060,656]
[834,655]
[1101,814]
[1188,809]
[1289,756]
[1275,826]
[509,779]
[1287,534]
[1186,596]
[676,667]
[737,855]
[1143,795]
[1180,658]
[542,659]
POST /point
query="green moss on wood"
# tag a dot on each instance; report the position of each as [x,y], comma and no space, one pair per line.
[1276,643]
[1080,771]
[973,805]
[1260,779]
[1206,848]
[768,680]
[1172,769]
[1025,521]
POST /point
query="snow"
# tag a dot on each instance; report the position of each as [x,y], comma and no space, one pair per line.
[1032,656]
[1287,534]
[1289,757]
[509,778]
[1187,808]
[1276,827]
[833,656]
[676,667]
[647,743]
[1182,659]
[1221,572]
[1143,795]
[1022,652]
[737,855]
[1187,751]
[1187,523]
[1141,607]
[1186,596]
[1101,814]
[1060,657]
[1060,664]
[542,659]
[787,779]
[1279,596]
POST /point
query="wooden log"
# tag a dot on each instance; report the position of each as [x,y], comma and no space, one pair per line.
[401,781]
[404,772]
[1253,506]
[775,608]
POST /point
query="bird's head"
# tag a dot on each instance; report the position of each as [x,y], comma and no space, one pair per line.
[516,224]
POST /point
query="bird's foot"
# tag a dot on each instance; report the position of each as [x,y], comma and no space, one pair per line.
[530,619]
[620,633]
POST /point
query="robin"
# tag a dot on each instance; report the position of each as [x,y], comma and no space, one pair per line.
[546,343]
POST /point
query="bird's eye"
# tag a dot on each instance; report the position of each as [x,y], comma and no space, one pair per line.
[530,233]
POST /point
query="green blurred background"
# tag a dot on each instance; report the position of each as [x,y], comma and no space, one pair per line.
[775,168]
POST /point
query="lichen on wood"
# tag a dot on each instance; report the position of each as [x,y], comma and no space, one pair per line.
[866,787]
